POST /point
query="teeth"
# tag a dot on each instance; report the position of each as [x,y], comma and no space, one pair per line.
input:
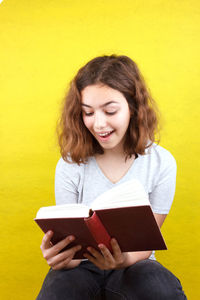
[104,134]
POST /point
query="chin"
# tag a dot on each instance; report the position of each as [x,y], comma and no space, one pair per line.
[110,147]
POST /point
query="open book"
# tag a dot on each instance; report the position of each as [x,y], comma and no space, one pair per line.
[123,212]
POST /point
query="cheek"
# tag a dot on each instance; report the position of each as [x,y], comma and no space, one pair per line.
[123,120]
[88,122]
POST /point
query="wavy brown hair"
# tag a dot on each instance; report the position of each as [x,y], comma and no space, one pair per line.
[119,73]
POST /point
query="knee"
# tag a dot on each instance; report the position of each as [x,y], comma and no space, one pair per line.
[152,281]
[68,284]
[55,286]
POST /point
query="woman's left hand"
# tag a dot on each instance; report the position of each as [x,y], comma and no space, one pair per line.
[104,260]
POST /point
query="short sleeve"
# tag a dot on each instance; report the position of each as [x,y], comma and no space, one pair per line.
[162,195]
[66,183]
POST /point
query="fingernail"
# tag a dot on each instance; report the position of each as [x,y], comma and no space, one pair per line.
[71,238]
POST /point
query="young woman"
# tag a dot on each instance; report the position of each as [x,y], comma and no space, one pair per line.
[107,136]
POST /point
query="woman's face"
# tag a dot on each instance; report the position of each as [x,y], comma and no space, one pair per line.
[106,115]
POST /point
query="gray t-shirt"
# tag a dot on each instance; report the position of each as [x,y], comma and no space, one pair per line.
[156,170]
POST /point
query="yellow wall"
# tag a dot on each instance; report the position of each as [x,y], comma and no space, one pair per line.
[42,44]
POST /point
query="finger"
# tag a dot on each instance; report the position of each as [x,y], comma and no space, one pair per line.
[116,249]
[106,253]
[94,256]
[49,251]
[95,253]
[62,244]
[89,257]
[46,244]
[61,257]
[63,264]
[95,261]
[99,260]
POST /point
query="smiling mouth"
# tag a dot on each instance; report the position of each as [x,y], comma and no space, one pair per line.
[105,135]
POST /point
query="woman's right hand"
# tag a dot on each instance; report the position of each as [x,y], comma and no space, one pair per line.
[59,260]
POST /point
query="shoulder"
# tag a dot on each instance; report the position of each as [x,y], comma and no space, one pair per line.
[67,166]
[164,179]
[69,170]
[163,166]
[161,156]
[156,165]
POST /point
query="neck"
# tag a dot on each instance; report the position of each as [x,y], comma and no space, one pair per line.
[113,155]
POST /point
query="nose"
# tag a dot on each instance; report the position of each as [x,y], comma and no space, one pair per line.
[99,121]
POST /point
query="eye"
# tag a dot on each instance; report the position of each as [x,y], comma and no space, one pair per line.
[110,113]
[88,114]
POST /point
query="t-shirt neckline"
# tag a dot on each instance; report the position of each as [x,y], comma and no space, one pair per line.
[122,178]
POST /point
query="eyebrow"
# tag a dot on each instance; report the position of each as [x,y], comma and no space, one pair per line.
[105,104]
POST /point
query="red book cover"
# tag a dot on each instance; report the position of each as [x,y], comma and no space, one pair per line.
[135,229]
[98,231]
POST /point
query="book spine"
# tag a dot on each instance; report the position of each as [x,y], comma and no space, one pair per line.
[98,230]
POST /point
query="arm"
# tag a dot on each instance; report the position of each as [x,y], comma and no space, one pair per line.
[160,198]
[66,182]
[105,260]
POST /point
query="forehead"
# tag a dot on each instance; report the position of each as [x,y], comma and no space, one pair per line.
[100,94]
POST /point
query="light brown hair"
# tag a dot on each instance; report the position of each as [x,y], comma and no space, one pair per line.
[120,73]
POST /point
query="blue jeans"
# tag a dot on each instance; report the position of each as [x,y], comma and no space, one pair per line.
[145,280]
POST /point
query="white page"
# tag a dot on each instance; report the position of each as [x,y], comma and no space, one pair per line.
[129,193]
[63,211]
